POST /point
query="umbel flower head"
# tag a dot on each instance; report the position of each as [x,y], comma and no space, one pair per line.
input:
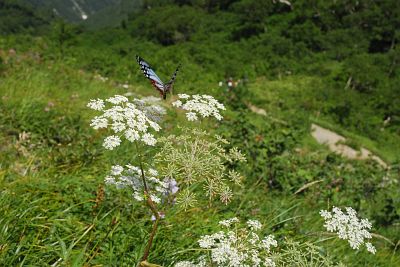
[199,105]
[132,121]
[131,177]
[198,159]
[348,227]
[235,246]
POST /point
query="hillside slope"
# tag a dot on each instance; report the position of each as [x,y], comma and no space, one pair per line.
[92,13]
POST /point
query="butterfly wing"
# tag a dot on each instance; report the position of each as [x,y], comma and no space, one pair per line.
[151,75]
[169,84]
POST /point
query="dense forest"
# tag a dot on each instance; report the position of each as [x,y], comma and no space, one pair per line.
[333,63]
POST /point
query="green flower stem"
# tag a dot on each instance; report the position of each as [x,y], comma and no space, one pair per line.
[141,168]
[153,209]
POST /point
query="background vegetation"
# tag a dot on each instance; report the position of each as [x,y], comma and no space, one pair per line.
[334,62]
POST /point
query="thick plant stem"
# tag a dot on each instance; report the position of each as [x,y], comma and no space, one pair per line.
[153,208]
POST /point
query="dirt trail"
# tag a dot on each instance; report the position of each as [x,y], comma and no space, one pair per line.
[333,140]
[335,143]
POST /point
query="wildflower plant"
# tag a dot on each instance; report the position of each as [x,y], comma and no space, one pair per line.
[182,162]
[197,158]
[304,254]
[349,227]
[130,176]
[199,105]
[235,246]
[132,121]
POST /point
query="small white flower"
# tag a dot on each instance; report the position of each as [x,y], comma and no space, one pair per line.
[239,247]
[177,103]
[185,264]
[370,248]
[191,116]
[155,199]
[132,135]
[269,242]
[110,142]
[116,170]
[229,222]
[138,197]
[149,139]
[196,97]
[132,169]
[96,104]
[132,121]
[348,227]
[203,105]
[206,241]
[254,239]
[153,172]
[254,224]
[154,125]
[131,177]
[325,214]
[109,180]
[99,122]
[117,99]
[184,96]
[118,127]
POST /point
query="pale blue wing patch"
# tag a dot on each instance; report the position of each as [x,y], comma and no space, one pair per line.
[150,74]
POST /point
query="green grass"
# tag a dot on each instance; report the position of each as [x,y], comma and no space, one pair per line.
[51,181]
[293,95]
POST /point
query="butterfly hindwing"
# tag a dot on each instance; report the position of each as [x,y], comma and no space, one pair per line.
[168,85]
[174,75]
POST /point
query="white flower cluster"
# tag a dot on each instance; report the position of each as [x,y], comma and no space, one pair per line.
[131,176]
[348,227]
[229,222]
[201,262]
[203,105]
[131,120]
[241,247]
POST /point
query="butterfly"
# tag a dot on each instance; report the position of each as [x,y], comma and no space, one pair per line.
[163,88]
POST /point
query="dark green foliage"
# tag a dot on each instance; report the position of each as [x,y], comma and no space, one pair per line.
[18,16]
[168,25]
[63,33]
[263,141]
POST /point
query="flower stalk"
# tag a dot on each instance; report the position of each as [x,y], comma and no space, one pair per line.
[154,210]
[151,206]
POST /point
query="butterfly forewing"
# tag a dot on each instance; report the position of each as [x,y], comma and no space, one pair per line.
[150,74]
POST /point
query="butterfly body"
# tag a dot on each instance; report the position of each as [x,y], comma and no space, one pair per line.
[161,87]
